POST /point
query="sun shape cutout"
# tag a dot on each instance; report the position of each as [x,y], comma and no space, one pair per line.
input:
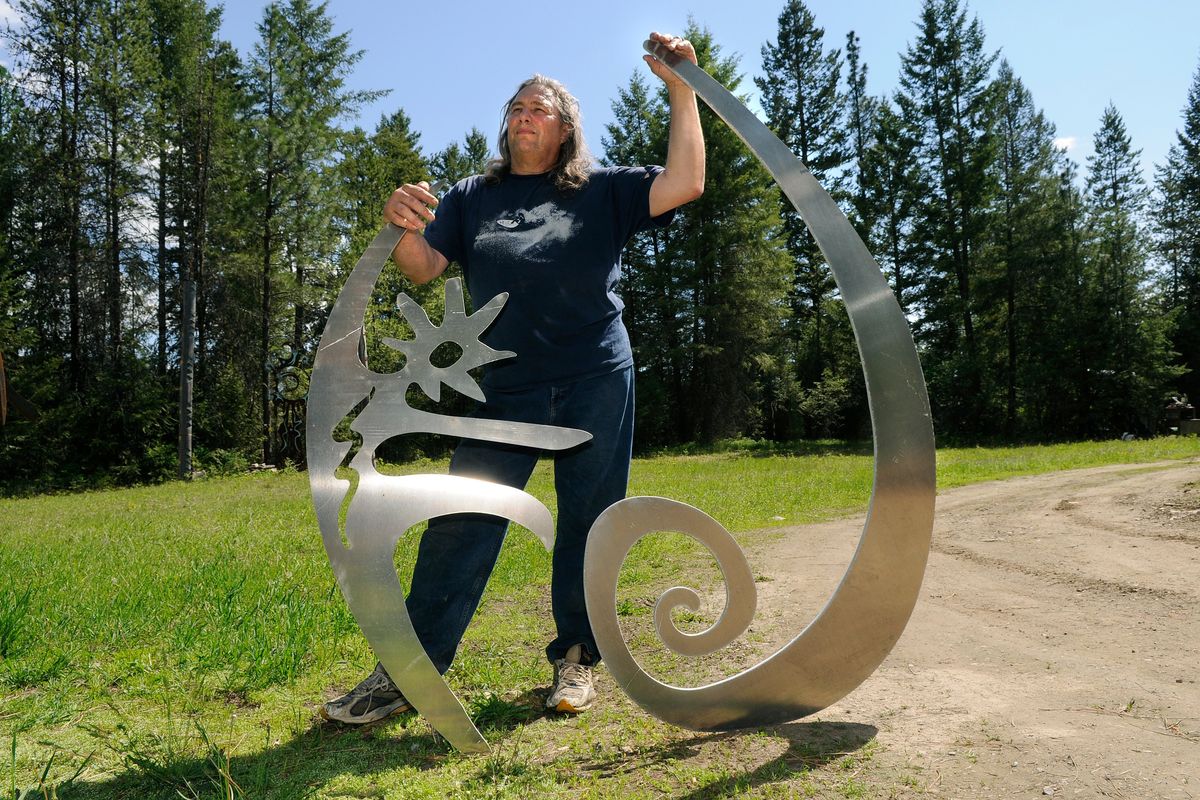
[457,327]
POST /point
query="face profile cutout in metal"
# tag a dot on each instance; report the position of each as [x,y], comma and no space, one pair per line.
[379,508]
[868,611]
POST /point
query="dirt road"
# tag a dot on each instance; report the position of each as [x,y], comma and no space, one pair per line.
[1055,650]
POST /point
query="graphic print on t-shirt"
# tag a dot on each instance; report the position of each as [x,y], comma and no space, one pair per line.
[527,234]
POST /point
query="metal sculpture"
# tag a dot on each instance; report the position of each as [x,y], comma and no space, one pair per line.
[289,381]
[379,508]
[870,607]
[829,658]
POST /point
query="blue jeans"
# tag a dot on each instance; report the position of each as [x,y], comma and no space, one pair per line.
[457,553]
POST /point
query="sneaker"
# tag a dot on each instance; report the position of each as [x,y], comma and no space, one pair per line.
[373,699]
[572,691]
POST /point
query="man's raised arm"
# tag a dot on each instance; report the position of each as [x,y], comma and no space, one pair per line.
[683,178]
[410,207]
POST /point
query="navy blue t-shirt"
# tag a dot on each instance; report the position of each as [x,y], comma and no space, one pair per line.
[558,255]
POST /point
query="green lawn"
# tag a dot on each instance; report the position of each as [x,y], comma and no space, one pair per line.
[176,640]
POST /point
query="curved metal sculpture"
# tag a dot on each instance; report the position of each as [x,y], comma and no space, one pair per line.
[864,618]
[382,507]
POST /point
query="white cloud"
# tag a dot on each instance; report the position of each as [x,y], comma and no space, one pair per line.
[9,14]
[1065,143]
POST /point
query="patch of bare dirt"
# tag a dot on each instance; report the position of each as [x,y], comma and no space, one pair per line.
[1055,650]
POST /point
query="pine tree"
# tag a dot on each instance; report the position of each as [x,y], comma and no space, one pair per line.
[476,150]
[18,211]
[1057,369]
[121,67]
[1025,246]
[800,92]
[315,97]
[891,194]
[52,48]
[212,228]
[298,79]
[805,107]
[1174,224]
[180,32]
[1130,353]
[453,163]
[372,167]
[861,110]
[946,95]
[14,155]
[1179,237]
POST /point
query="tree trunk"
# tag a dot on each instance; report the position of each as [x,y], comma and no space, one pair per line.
[161,210]
[114,241]
[186,370]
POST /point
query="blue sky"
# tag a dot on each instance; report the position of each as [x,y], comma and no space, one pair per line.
[450,65]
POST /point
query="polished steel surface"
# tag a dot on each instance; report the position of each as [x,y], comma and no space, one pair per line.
[868,611]
[379,508]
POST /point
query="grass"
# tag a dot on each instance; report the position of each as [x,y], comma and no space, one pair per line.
[174,641]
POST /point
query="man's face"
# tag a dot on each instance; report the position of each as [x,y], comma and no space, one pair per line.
[535,131]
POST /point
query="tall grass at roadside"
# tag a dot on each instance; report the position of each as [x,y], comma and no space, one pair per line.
[136,623]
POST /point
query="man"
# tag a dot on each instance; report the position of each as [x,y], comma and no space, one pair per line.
[547,228]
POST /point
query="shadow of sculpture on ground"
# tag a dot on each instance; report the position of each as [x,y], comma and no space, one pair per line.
[324,752]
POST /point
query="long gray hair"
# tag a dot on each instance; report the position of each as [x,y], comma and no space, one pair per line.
[574,161]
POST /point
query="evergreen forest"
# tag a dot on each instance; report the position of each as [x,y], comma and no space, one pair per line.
[176,219]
